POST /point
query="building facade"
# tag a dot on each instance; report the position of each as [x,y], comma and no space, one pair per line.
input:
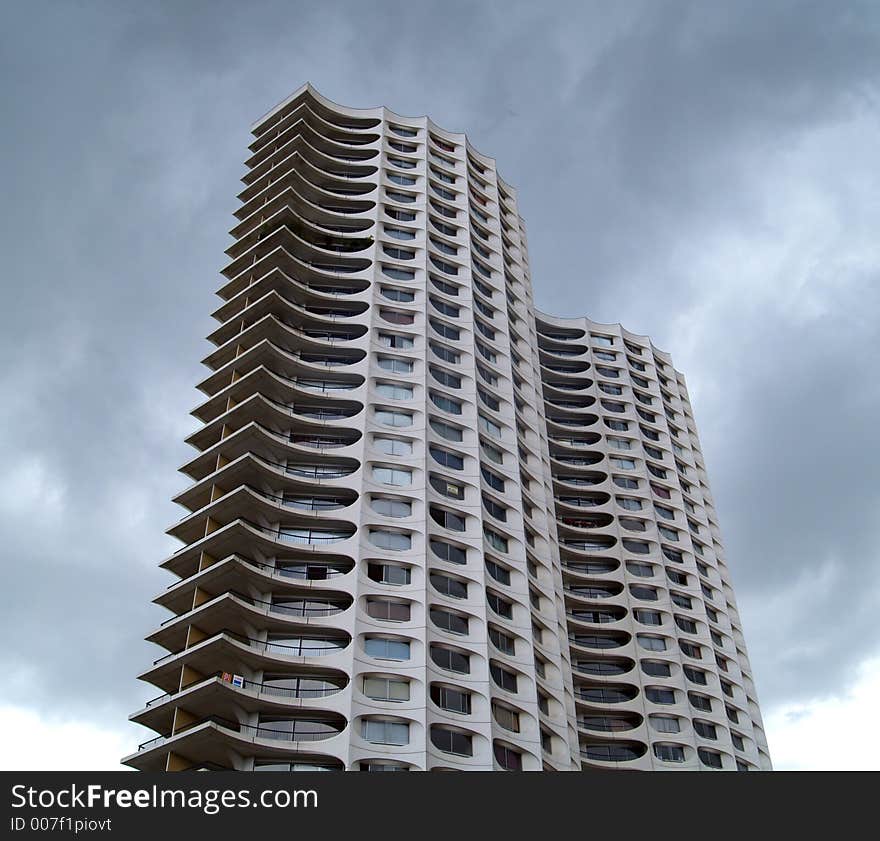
[429,527]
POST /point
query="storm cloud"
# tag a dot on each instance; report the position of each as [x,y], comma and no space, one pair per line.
[704,173]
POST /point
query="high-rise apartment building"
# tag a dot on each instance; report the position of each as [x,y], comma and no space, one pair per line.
[429,527]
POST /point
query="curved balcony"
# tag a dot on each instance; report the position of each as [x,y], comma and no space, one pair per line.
[310,649]
[322,274]
[311,606]
[246,538]
[606,615]
[327,373]
[583,569]
[329,117]
[582,501]
[609,723]
[293,687]
[273,276]
[558,334]
[308,169]
[339,206]
[584,522]
[287,576]
[566,385]
[288,483]
[587,479]
[273,341]
[297,290]
[612,753]
[300,250]
[297,472]
[567,461]
[292,302]
[573,367]
[575,443]
[279,692]
[549,352]
[596,543]
[273,444]
[568,422]
[292,211]
[595,591]
[296,145]
[599,640]
[307,110]
[238,612]
[570,404]
[603,667]
[312,417]
[605,693]
[282,144]
[214,736]
[316,411]
[279,389]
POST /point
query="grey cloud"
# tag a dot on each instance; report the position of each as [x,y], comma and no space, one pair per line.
[701,172]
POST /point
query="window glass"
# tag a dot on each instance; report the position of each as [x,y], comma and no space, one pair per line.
[388,573]
[445,353]
[656,668]
[665,724]
[451,587]
[494,481]
[393,340]
[669,753]
[392,476]
[503,677]
[450,433]
[390,539]
[447,552]
[386,689]
[400,215]
[390,418]
[660,696]
[385,732]
[501,641]
[445,377]
[393,446]
[496,540]
[398,366]
[500,573]
[446,404]
[451,741]
[388,610]
[446,458]
[446,487]
[498,511]
[447,658]
[651,643]
[447,519]
[392,507]
[492,453]
[394,391]
[403,296]
[454,623]
[387,649]
[397,273]
[454,700]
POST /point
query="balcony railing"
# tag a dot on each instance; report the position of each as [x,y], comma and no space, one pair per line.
[304,647]
[301,730]
[261,688]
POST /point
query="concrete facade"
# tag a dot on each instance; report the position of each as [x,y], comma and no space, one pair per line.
[429,527]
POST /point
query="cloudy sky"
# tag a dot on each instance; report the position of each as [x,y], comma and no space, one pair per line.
[705,173]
